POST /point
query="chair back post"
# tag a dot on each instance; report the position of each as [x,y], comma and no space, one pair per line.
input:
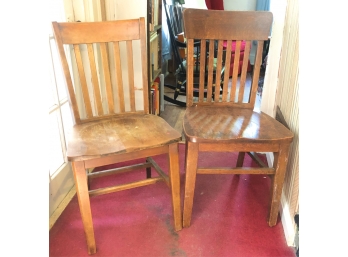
[228,28]
[102,74]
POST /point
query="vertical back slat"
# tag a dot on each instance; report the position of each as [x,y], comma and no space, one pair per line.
[244,71]
[96,89]
[210,70]
[235,70]
[144,65]
[83,82]
[189,78]
[218,72]
[227,70]
[130,75]
[256,72]
[202,64]
[105,61]
[119,81]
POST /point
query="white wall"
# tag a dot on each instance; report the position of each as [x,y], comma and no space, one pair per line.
[198,4]
[130,9]
[240,5]
[278,9]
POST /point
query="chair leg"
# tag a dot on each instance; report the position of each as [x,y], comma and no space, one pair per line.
[89,171]
[174,175]
[279,164]
[148,170]
[84,204]
[240,161]
[191,172]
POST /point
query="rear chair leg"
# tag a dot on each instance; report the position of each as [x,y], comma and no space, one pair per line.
[148,170]
[240,161]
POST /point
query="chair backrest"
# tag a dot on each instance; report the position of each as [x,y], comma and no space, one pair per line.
[221,28]
[109,62]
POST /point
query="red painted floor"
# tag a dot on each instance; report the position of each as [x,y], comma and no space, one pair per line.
[229,218]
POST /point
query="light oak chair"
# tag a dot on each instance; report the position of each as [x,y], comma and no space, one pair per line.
[228,123]
[109,100]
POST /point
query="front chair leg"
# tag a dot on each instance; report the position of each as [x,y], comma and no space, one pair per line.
[174,176]
[81,185]
[279,164]
[190,181]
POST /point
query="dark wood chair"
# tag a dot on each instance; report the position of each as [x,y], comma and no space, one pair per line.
[228,123]
[110,105]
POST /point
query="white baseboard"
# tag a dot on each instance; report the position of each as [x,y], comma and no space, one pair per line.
[61,207]
[287,220]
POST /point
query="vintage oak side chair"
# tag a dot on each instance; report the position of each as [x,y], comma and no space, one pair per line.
[110,108]
[228,123]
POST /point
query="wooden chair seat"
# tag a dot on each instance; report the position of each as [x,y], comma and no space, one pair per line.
[117,135]
[228,124]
